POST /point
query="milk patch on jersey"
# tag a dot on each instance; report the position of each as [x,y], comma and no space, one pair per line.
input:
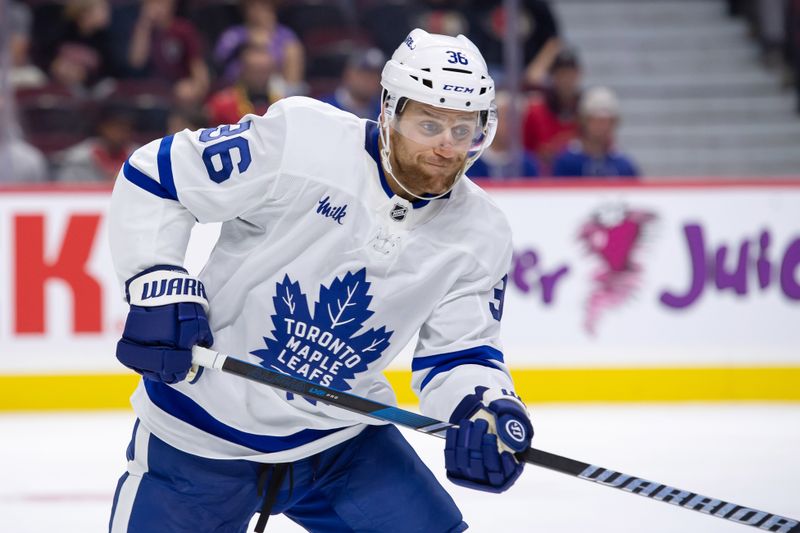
[337,213]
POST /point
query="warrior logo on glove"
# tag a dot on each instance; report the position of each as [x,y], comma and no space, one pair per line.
[515,430]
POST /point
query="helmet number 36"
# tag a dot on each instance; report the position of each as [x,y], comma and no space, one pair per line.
[456,57]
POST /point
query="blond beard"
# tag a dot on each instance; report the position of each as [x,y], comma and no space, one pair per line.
[414,174]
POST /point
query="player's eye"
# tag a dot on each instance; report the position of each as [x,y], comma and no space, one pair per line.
[461,133]
[431,128]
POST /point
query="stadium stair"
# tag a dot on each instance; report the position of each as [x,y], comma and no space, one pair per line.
[696,98]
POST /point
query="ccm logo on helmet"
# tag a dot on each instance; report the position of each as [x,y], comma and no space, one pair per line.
[458,89]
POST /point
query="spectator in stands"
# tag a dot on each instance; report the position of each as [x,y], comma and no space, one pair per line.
[83,51]
[497,161]
[551,118]
[99,158]
[359,91]
[169,48]
[250,93]
[538,31]
[442,16]
[23,73]
[182,119]
[769,27]
[593,155]
[75,67]
[735,7]
[261,24]
[388,23]
[19,161]
[793,45]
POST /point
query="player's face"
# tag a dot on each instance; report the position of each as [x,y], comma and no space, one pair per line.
[429,146]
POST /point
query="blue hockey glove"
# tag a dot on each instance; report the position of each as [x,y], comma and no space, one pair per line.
[167,318]
[479,453]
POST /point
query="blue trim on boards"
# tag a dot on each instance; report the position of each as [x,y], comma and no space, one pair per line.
[184,408]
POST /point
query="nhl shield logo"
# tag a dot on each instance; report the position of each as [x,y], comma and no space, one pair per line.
[398,212]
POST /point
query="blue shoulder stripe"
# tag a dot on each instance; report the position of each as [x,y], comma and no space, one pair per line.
[184,408]
[141,180]
[444,362]
[164,161]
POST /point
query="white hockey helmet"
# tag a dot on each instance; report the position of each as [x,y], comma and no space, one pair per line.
[441,71]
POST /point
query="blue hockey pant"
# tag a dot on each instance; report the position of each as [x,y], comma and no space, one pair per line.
[374,482]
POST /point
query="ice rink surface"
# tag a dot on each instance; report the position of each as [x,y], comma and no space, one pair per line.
[58,471]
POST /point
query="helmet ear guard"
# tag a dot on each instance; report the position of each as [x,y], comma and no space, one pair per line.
[444,72]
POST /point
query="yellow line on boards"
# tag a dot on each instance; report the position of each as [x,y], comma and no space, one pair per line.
[66,391]
[659,384]
[112,391]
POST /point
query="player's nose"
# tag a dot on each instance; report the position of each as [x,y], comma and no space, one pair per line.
[445,146]
[445,150]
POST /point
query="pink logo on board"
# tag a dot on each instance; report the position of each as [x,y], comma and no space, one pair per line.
[613,235]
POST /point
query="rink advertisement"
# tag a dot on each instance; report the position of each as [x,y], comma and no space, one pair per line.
[611,286]
[654,275]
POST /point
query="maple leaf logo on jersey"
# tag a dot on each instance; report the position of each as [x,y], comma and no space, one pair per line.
[325,347]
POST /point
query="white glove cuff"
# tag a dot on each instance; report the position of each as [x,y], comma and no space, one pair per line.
[490,395]
[163,287]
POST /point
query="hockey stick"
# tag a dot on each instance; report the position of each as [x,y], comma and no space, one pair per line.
[651,489]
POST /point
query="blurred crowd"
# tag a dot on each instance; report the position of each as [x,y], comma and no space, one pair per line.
[776,26]
[92,80]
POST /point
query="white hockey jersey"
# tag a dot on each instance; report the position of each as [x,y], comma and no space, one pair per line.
[320,272]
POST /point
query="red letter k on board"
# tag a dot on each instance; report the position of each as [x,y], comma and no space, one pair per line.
[33,270]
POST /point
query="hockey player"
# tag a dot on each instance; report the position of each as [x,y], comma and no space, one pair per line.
[341,239]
